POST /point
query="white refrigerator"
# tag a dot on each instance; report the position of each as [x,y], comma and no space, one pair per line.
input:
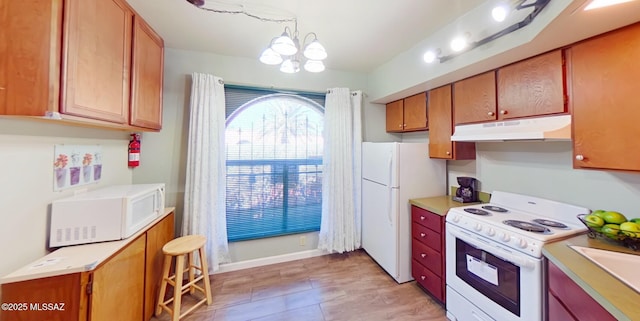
[393,173]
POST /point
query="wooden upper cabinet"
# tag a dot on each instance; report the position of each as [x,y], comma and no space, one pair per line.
[395,117]
[604,94]
[97,60]
[89,77]
[409,114]
[532,87]
[441,128]
[30,46]
[415,112]
[474,99]
[147,71]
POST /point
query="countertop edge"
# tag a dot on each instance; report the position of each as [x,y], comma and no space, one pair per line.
[605,288]
[102,251]
[438,204]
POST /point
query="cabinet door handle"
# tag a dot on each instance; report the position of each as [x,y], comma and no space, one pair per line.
[399,125]
[2,88]
[423,277]
[404,125]
[448,153]
[423,234]
[490,113]
[422,218]
[423,255]
[503,112]
[579,157]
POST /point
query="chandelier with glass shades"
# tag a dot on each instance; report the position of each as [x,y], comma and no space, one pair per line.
[286,51]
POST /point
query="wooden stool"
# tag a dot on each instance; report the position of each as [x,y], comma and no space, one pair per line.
[181,247]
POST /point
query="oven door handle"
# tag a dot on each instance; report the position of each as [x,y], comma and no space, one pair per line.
[494,250]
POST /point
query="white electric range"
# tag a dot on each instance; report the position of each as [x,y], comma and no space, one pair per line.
[495,267]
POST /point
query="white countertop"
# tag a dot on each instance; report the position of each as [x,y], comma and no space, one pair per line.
[73,259]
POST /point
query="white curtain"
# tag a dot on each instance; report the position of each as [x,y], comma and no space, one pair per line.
[205,188]
[341,227]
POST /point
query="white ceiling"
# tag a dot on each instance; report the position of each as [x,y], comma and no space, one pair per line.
[359,35]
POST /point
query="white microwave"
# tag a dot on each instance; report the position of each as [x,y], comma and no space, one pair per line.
[105,214]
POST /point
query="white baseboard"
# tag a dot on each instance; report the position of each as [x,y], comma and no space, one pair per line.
[234,266]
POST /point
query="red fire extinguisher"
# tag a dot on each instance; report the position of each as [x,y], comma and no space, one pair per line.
[134,150]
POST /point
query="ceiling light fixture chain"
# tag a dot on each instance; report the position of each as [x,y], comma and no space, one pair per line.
[250,15]
[200,5]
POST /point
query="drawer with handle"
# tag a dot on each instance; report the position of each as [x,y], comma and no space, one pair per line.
[428,237]
[428,280]
[427,256]
[426,218]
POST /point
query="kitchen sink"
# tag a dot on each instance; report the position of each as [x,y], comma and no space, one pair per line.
[621,265]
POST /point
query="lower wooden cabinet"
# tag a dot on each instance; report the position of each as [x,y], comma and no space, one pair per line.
[123,287]
[157,236]
[568,302]
[122,276]
[427,251]
[68,292]
[428,280]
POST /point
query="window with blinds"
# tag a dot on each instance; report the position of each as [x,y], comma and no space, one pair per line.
[274,162]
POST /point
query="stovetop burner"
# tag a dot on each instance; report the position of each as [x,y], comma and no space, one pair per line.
[495,208]
[550,223]
[527,226]
[476,211]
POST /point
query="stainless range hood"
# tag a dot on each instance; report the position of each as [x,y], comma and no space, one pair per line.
[540,128]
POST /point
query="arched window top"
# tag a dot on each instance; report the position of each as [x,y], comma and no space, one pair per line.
[276,101]
[275,126]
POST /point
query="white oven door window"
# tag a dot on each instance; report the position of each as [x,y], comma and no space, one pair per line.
[492,276]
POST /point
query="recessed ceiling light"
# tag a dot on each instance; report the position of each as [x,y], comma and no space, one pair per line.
[595,4]
[458,43]
[499,13]
[429,56]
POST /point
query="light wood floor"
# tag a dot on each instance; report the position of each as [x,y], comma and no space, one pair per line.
[345,287]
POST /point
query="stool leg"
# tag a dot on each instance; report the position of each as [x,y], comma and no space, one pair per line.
[192,272]
[177,290]
[163,284]
[205,274]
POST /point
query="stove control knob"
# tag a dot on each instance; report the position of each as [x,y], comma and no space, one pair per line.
[522,243]
[456,218]
[478,227]
[505,237]
[491,232]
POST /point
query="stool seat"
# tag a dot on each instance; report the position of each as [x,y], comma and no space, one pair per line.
[180,248]
[184,245]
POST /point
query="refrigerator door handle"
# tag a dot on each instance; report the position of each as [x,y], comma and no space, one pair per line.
[389,188]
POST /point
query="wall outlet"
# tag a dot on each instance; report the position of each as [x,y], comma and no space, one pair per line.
[303,240]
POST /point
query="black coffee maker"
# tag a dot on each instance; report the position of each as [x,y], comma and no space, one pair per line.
[468,190]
